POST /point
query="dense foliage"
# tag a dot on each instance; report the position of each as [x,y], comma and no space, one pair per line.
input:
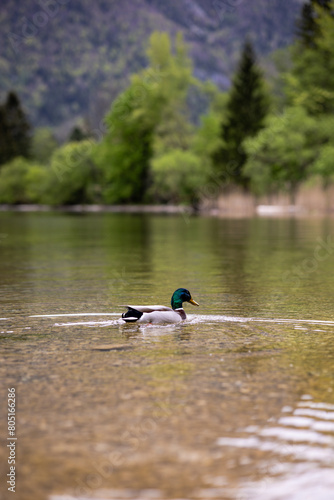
[296,144]
[14,130]
[150,149]
[246,109]
[147,124]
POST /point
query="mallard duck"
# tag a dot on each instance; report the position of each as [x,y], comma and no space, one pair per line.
[161,314]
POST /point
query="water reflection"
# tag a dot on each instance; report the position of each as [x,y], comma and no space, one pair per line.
[212,408]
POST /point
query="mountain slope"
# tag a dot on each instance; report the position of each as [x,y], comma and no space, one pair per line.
[70,59]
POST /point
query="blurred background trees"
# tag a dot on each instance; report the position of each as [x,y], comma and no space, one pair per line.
[60,80]
[14,130]
[147,126]
[246,110]
[296,142]
[153,147]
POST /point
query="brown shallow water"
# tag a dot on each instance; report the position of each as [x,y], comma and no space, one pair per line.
[235,403]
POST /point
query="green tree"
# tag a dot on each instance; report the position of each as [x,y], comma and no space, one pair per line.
[14,130]
[281,155]
[13,181]
[307,27]
[207,140]
[73,176]
[246,109]
[324,165]
[43,144]
[80,131]
[175,78]
[37,180]
[311,81]
[177,177]
[148,120]
[126,150]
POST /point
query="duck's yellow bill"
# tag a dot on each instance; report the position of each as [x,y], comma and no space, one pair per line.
[192,301]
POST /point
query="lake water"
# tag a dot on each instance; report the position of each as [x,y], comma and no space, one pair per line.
[235,403]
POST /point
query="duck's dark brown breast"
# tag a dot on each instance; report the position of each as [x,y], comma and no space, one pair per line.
[181,313]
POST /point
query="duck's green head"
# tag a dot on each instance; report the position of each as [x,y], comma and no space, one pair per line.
[181,295]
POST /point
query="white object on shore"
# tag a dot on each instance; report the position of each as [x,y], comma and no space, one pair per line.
[277,209]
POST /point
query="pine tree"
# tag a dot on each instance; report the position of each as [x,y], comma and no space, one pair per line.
[311,81]
[247,107]
[77,134]
[307,28]
[14,130]
[4,149]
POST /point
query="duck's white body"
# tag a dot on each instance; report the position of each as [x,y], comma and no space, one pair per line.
[160,314]
[156,314]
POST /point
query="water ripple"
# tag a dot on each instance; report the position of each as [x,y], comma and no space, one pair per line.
[191,318]
[306,436]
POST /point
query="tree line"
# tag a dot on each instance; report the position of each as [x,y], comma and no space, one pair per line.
[153,150]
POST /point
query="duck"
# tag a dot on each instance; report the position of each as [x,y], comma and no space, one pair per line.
[161,314]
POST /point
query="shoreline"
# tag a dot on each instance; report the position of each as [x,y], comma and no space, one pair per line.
[257,210]
[82,208]
[310,200]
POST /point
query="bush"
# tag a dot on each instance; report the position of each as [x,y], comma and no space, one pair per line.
[324,164]
[280,155]
[177,177]
[74,178]
[43,145]
[13,181]
[36,182]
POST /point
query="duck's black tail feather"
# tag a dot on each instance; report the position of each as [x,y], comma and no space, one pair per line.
[131,315]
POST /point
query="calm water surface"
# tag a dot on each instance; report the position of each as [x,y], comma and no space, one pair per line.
[235,403]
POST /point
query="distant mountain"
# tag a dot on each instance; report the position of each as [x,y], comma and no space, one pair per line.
[68,58]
